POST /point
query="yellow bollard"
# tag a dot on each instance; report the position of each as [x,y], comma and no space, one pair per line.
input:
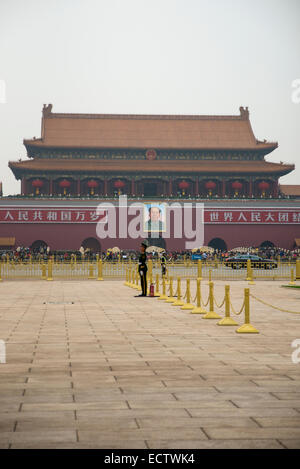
[163,296]
[248,278]
[227,321]
[297,269]
[156,293]
[130,277]
[188,304]
[247,328]
[198,308]
[150,281]
[171,298]
[199,269]
[126,277]
[133,278]
[292,282]
[91,272]
[178,302]
[49,278]
[209,275]
[150,268]
[44,273]
[99,268]
[167,279]
[211,313]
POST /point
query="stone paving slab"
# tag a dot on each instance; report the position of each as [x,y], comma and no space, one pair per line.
[113,371]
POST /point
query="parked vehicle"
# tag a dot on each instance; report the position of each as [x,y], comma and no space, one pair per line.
[240,262]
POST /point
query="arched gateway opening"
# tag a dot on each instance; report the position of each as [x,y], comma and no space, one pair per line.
[92,244]
[218,243]
[158,242]
[267,244]
[38,245]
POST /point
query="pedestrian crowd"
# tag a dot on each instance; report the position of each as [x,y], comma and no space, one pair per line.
[24,254]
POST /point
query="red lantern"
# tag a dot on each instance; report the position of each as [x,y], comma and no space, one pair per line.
[183,185]
[210,186]
[37,183]
[65,184]
[118,185]
[237,186]
[92,184]
[263,187]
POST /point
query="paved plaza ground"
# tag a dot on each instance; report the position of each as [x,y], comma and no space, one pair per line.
[90,366]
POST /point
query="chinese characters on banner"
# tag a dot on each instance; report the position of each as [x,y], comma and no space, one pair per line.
[91,215]
[250,216]
[51,215]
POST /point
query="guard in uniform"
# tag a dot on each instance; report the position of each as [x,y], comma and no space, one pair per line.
[143,268]
[163,265]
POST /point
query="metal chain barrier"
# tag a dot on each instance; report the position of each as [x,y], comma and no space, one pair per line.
[222,304]
[205,304]
[274,307]
[234,311]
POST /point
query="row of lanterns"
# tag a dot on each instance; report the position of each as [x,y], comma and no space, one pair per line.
[183,186]
[236,186]
[65,184]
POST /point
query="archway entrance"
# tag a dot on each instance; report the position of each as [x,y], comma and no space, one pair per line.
[267,244]
[38,245]
[92,244]
[158,242]
[218,243]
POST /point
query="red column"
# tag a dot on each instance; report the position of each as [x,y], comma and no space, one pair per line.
[132,187]
[105,186]
[170,187]
[197,187]
[275,189]
[223,188]
[51,186]
[23,186]
[78,186]
[250,187]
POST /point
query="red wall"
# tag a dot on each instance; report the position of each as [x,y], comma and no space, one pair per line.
[69,237]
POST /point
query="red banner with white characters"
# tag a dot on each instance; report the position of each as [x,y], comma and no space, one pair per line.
[51,215]
[74,215]
[252,216]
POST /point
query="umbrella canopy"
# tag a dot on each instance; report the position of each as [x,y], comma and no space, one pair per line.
[243,249]
[115,249]
[154,249]
[203,249]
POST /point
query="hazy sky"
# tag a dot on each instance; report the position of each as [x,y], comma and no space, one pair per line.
[150,57]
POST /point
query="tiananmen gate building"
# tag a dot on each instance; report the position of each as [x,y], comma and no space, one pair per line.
[82,160]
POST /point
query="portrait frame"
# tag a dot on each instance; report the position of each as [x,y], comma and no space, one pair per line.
[158,222]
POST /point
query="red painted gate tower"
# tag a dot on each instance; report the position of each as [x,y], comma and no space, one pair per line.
[83,159]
